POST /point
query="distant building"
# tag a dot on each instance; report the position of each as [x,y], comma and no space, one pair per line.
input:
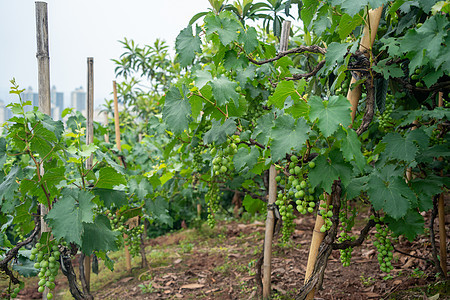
[57,103]
[78,100]
[29,95]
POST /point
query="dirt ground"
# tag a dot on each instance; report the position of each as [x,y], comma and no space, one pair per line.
[220,264]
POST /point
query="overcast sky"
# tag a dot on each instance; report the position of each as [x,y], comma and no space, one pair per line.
[84,28]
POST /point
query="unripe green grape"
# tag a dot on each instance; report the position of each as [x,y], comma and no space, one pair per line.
[311,164]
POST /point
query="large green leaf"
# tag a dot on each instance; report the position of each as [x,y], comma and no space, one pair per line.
[187,45]
[393,196]
[224,90]
[176,111]
[348,24]
[3,154]
[351,147]
[249,38]
[328,170]
[282,91]
[398,147]
[263,128]
[225,25]
[7,189]
[425,189]
[158,208]
[308,10]
[330,113]
[219,132]
[335,53]
[252,205]
[245,158]
[287,134]
[68,214]
[109,177]
[141,189]
[409,225]
[111,198]
[98,236]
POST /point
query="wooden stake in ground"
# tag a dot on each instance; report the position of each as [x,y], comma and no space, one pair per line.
[89,140]
[284,43]
[441,217]
[43,59]
[369,34]
[119,147]
[269,232]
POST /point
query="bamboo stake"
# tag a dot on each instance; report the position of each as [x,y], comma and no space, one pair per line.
[43,59]
[269,232]
[89,140]
[441,216]
[369,34]
[284,43]
[119,147]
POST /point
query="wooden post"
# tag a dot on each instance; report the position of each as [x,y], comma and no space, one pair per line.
[119,147]
[269,232]
[43,59]
[441,216]
[89,140]
[267,267]
[106,124]
[369,34]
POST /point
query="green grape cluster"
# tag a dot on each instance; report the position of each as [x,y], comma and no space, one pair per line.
[296,188]
[212,199]
[14,292]
[345,228]
[133,239]
[222,162]
[287,214]
[326,211]
[255,110]
[116,221]
[384,247]
[385,119]
[47,257]
[197,159]
[435,139]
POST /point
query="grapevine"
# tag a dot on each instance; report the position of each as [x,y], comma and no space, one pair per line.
[47,262]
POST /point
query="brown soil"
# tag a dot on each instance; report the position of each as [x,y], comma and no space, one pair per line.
[220,264]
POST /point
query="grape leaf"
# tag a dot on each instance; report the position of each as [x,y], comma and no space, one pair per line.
[141,189]
[3,154]
[158,208]
[287,134]
[356,186]
[244,157]
[67,215]
[219,132]
[244,75]
[110,197]
[252,205]
[335,53]
[398,147]
[8,188]
[263,128]
[202,77]
[177,110]
[98,236]
[351,147]
[187,45]
[108,178]
[225,25]
[224,90]
[308,10]
[410,225]
[282,91]
[328,170]
[348,24]
[393,196]
[330,113]
[425,189]
[249,38]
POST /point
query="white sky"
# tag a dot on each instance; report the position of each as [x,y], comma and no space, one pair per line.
[84,28]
